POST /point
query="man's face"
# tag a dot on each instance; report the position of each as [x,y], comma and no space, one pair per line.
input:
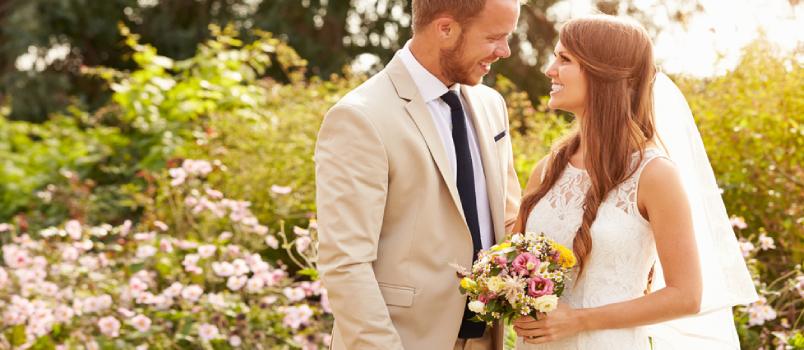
[481,43]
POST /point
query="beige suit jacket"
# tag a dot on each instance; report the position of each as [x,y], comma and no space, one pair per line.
[389,214]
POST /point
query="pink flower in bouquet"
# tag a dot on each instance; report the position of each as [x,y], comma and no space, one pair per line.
[538,286]
[524,263]
[485,298]
[501,260]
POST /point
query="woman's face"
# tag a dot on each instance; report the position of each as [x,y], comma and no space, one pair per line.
[568,89]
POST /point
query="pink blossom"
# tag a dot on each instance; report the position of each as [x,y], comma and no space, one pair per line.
[524,263]
[141,322]
[146,251]
[240,267]
[73,228]
[5,227]
[63,314]
[300,231]
[174,290]
[197,167]
[15,257]
[126,312]
[208,332]
[192,292]
[325,301]
[69,253]
[137,286]
[109,326]
[302,243]
[216,300]
[294,294]
[207,250]
[223,269]
[765,242]
[260,230]
[738,222]
[3,278]
[166,246]
[272,242]
[161,225]
[759,312]
[538,286]
[178,176]
[125,228]
[269,300]
[296,316]
[236,282]
[311,288]
[215,194]
[746,248]
[255,285]
[235,341]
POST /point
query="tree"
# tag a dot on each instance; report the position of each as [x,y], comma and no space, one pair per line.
[329,34]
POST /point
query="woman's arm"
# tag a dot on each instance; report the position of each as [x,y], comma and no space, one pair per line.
[662,199]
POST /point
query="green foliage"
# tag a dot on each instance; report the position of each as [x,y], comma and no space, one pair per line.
[755,111]
[751,123]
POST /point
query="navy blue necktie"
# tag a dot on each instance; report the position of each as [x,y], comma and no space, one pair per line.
[466,190]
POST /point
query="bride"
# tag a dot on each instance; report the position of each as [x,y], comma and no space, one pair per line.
[632,192]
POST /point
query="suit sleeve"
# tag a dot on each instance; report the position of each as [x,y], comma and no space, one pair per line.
[351,190]
[513,191]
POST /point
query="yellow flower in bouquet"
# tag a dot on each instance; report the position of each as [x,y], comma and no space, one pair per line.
[567,257]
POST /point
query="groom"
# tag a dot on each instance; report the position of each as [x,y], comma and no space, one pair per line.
[414,171]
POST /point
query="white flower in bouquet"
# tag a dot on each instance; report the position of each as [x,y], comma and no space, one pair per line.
[477,306]
[545,303]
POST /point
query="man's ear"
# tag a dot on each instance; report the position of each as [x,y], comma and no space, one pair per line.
[447,29]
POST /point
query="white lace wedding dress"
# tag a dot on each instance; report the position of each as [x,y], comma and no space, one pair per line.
[623,251]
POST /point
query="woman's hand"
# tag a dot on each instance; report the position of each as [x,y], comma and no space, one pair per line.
[560,323]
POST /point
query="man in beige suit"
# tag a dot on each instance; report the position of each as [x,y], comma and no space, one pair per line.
[414,171]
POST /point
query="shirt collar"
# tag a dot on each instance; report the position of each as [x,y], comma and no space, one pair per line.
[429,86]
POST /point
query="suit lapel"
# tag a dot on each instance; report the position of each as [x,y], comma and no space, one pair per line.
[420,114]
[491,169]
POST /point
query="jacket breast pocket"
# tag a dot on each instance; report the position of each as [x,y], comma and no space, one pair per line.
[397,295]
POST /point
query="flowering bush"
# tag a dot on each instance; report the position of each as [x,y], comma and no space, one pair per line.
[155,286]
[776,318]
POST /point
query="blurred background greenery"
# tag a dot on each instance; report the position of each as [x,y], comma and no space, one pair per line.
[115,91]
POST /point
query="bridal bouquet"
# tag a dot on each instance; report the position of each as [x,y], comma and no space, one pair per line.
[518,277]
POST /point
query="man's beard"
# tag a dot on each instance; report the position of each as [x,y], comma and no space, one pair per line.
[453,66]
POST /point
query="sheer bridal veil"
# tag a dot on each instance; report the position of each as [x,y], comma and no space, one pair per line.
[726,281]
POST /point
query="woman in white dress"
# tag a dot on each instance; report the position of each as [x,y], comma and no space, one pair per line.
[610,192]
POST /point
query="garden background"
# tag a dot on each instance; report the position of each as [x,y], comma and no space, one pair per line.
[156,173]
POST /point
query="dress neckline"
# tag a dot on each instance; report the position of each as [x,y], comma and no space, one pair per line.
[583,170]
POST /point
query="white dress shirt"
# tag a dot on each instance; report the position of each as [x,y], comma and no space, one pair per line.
[431,89]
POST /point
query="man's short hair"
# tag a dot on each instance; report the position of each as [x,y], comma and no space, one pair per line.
[462,11]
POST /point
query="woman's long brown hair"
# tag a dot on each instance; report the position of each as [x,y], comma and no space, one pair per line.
[616,57]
